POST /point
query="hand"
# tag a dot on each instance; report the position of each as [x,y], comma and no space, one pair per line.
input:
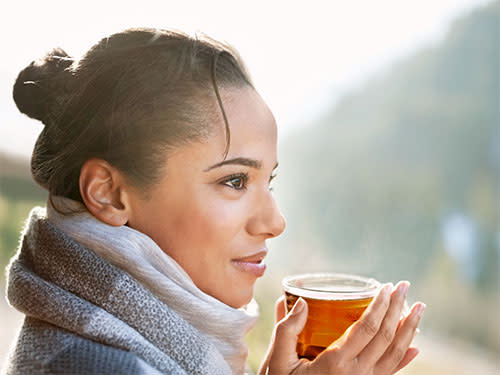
[377,344]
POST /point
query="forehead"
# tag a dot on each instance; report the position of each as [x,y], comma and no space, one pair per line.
[253,134]
[251,122]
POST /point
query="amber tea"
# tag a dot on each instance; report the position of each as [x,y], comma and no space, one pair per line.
[335,301]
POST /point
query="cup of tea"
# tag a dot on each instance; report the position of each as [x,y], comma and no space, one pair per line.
[335,302]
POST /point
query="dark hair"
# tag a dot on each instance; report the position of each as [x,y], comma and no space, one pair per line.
[133,96]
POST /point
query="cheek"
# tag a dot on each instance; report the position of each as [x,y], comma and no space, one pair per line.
[207,226]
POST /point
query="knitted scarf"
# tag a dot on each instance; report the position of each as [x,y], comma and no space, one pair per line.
[217,330]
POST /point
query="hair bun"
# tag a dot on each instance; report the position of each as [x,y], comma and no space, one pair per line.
[43,84]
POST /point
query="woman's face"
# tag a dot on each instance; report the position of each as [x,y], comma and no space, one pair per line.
[214,215]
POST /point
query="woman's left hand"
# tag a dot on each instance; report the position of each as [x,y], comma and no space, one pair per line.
[375,344]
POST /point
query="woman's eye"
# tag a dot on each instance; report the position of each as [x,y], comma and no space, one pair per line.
[237,182]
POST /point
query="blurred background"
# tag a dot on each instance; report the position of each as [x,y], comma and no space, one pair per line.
[389,118]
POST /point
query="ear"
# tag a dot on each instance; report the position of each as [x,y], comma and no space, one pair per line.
[104,192]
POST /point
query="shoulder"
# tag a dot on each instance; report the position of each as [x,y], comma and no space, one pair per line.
[45,349]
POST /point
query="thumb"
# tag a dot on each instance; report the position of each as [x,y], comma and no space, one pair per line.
[284,357]
[297,317]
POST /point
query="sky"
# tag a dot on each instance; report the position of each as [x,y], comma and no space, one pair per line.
[301,55]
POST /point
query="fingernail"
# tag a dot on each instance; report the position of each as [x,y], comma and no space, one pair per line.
[420,309]
[403,288]
[299,306]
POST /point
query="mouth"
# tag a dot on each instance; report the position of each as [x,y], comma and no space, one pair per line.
[252,264]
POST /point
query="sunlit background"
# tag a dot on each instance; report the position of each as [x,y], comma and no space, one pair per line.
[389,118]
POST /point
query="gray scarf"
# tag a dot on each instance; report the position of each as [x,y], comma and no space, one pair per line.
[98,282]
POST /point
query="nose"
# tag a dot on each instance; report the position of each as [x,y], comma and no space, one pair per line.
[267,220]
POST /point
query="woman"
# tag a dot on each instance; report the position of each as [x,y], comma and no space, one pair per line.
[158,154]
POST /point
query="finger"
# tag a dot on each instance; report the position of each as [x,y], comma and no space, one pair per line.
[280,309]
[412,352]
[279,315]
[410,355]
[363,331]
[377,347]
[397,350]
[284,355]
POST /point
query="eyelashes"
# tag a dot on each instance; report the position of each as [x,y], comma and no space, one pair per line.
[236,181]
[239,181]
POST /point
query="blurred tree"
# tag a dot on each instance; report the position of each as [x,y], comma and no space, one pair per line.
[371,182]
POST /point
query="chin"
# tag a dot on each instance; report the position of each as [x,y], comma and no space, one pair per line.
[239,300]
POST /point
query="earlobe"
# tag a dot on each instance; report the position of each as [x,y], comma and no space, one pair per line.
[103,192]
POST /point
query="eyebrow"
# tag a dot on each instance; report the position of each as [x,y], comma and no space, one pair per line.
[247,162]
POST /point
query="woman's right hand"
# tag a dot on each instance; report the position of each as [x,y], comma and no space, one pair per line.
[377,344]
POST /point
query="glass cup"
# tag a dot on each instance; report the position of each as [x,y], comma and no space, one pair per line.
[335,302]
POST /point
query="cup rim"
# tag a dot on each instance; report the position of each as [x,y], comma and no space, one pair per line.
[372,286]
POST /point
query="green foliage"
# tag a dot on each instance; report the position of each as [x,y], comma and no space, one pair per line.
[370,184]
[18,195]
[13,214]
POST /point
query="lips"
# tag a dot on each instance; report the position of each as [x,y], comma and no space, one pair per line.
[252,264]
[253,258]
